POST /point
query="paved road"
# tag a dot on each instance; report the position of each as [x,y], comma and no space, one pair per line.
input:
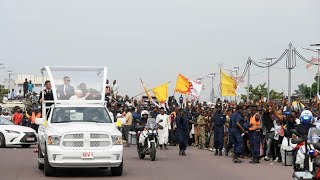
[20,164]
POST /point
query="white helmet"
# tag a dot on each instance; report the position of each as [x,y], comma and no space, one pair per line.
[144,112]
[306,117]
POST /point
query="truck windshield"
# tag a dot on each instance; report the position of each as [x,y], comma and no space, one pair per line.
[80,114]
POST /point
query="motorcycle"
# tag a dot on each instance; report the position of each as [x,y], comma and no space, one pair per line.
[150,132]
[307,160]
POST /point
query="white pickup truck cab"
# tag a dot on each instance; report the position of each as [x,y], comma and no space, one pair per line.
[77,131]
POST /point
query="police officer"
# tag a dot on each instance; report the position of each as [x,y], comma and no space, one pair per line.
[236,133]
[219,119]
[254,134]
[183,132]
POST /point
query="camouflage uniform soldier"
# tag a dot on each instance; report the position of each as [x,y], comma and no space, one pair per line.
[201,121]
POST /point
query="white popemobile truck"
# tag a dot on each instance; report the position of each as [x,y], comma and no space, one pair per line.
[76,130]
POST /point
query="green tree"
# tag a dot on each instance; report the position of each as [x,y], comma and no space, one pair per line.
[3,91]
[305,91]
[261,90]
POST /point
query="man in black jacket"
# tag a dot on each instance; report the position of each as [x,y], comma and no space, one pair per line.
[65,91]
[46,95]
[25,88]
[268,123]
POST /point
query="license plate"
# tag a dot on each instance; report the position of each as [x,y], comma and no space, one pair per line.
[87,156]
[31,139]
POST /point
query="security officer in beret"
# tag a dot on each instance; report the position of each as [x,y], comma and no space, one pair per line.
[219,119]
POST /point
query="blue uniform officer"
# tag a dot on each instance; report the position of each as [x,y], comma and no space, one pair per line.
[219,119]
[236,133]
[183,132]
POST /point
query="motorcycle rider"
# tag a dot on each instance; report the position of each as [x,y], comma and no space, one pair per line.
[144,118]
[145,122]
[306,120]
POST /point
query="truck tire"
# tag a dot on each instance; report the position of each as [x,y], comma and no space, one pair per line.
[25,145]
[2,141]
[40,166]
[48,169]
[117,171]
[153,152]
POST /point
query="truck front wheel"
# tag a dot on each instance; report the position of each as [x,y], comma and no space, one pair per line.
[117,171]
[48,169]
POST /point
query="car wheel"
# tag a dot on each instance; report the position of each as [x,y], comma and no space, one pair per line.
[117,171]
[25,145]
[2,141]
[40,165]
[48,169]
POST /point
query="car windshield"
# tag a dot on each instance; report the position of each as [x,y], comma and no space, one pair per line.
[3,121]
[80,114]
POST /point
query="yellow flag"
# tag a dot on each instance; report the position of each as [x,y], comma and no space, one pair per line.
[183,85]
[161,92]
[228,85]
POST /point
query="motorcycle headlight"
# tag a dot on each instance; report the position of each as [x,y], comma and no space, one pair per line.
[54,140]
[117,140]
[12,132]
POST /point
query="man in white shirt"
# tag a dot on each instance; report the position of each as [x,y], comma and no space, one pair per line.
[163,133]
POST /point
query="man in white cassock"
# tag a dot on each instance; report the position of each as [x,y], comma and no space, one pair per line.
[163,133]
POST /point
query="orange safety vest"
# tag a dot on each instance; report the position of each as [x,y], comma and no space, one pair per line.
[34,117]
[256,124]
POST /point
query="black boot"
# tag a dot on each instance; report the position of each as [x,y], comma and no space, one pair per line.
[184,153]
[161,147]
[227,152]
[165,147]
[220,153]
[180,152]
[216,153]
[254,161]
[236,159]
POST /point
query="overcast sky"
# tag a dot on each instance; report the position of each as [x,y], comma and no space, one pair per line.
[156,40]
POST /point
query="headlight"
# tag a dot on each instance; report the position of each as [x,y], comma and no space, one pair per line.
[54,140]
[12,132]
[117,140]
[152,131]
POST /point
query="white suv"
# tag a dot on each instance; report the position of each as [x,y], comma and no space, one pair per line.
[79,136]
[76,130]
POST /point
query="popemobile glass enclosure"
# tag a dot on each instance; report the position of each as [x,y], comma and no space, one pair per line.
[77,84]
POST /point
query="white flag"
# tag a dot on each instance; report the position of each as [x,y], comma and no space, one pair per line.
[196,88]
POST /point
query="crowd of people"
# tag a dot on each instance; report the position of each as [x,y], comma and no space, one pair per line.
[249,130]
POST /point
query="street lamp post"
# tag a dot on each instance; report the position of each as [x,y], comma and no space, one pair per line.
[318,51]
[269,61]
[9,73]
[318,62]
[212,76]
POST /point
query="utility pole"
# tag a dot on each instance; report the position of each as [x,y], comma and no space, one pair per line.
[290,64]
[248,83]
